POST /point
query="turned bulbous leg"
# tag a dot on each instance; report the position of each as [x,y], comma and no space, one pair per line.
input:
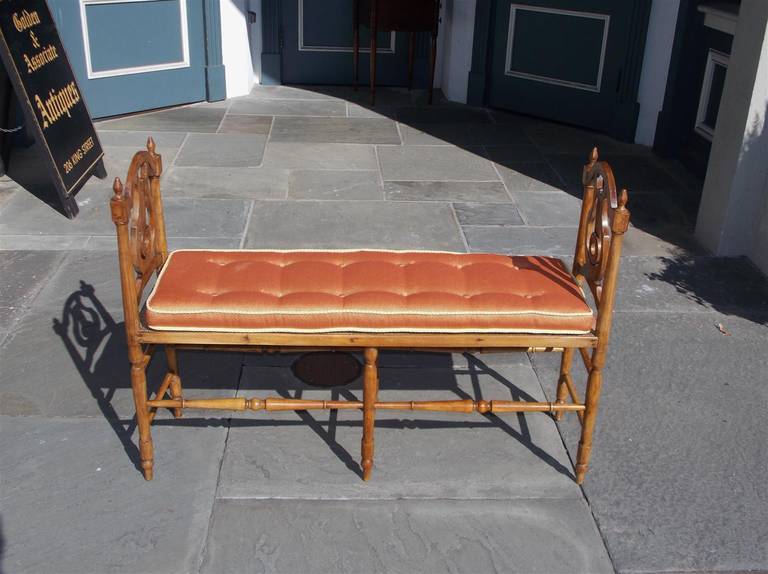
[173,367]
[562,390]
[139,387]
[591,401]
[370,392]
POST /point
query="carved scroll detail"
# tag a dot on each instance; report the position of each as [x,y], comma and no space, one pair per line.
[604,215]
[136,206]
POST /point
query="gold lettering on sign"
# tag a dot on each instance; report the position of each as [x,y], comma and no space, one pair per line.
[26,20]
[57,104]
[40,59]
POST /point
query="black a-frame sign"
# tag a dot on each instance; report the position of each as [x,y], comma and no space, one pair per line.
[54,110]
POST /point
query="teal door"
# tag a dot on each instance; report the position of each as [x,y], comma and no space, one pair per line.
[131,55]
[317,47]
[574,61]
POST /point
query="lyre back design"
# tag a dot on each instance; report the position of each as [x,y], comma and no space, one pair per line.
[604,217]
[137,211]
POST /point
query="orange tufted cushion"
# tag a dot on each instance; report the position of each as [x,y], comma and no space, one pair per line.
[365,291]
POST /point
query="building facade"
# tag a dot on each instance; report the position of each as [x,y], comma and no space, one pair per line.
[687,77]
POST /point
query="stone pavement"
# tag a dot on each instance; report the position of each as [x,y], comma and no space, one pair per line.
[677,482]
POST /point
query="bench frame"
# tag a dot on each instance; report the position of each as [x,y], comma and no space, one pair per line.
[137,212]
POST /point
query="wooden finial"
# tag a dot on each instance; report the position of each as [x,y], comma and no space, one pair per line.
[623,199]
[620,222]
[150,145]
[118,204]
[593,156]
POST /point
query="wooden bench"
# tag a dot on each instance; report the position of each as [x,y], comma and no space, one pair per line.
[302,300]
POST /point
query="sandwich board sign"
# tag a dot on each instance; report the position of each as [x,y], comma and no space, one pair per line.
[55,113]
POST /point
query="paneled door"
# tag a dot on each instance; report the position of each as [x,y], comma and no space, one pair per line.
[574,61]
[132,55]
[317,47]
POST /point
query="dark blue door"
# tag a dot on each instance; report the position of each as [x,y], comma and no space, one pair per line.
[134,55]
[575,61]
[317,47]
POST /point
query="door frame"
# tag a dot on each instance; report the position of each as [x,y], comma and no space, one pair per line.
[271,43]
[215,78]
[626,111]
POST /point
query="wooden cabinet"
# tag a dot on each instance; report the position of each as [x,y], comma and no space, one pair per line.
[396,15]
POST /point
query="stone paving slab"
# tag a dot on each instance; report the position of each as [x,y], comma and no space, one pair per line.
[7,188]
[435,134]
[315,454]
[643,174]
[367,111]
[678,468]
[189,217]
[513,154]
[98,243]
[73,501]
[22,275]
[320,156]
[434,163]
[186,119]
[269,107]
[670,242]
[497,135]
[117,159]
[335,185]
[382,225]
[442,115]
[652,210]
[639,174]
[100,270]
[24,214]
[385,95]
[692,284]
[222,150]
[561,139]
[335,130]
[43,242]
[234,124]
[407,359]
[225,183]
[522,240]
[30,224]
[488,214]
[548,209]
[529,176]
[287,93]
[138,139]
[561,241]
[477,191]
[405,536]
[394,96]
[54,365]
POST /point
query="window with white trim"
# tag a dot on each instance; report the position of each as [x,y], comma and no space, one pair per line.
[711,93]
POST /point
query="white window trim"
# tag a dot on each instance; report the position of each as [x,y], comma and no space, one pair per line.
[92,75]
[305,48]
[606,18]
[713,58]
